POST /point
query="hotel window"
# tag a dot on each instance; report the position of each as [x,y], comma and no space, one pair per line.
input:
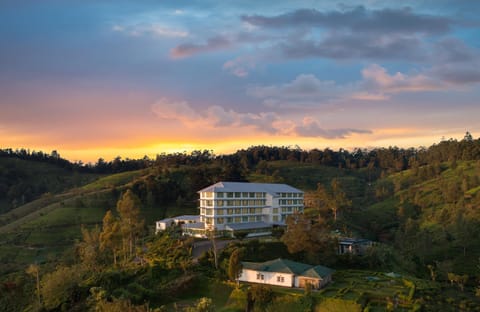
[244,194]
[251,195]
[209,203]
[275,210]
[244,202]
[229,220]
[220,194]
[258,210]
[220,203]
[238,219]
[284,194]
[230,211]
[258,218]
[229,202]
[251,210]
[208,194]
[209,211]
[238,202]
[244,210]
[258,195]
[202,211]
[238,211]
[237,195]
[230,195]
[220,212]
[220,220]
[275,219]
[245,219]
[289,201]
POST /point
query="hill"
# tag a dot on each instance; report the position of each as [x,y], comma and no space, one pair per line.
[22,181]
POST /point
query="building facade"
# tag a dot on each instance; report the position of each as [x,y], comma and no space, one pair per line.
[227,205]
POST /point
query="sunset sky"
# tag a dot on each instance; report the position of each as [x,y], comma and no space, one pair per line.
[97,78]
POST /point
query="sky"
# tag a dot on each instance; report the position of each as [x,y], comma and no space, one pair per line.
[108,78]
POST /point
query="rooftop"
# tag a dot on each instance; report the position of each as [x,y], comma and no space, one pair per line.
[289,267]
[247,226]
[271,188]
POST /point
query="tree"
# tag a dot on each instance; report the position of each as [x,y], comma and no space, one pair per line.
[61,286]
[235,265]
[211,237]
[34,270]
[131,225]
[262,295]
[308,235]
[339,197]
[89,247]
[110,237]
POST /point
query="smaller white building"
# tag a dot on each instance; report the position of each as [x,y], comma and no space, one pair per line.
[354,246]
[286,273]
[162,225]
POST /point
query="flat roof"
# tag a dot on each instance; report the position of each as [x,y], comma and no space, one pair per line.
[198,226]
[248,226]
[271,188]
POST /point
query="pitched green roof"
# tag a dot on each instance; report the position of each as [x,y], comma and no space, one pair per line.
[290,267]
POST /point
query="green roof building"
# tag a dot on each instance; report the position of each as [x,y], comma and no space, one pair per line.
[287,273]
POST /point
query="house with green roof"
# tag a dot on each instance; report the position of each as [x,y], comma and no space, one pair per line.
[287,273]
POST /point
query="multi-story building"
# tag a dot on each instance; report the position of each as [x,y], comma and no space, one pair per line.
[253,207]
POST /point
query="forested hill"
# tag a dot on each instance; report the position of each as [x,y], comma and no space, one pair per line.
[420,205]
[26,175]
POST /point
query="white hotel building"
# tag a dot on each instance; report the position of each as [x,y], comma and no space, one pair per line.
[238,206]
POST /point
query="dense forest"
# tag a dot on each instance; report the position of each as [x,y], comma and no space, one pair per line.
[93,224]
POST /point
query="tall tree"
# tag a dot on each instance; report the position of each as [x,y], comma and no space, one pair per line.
[235,265]
[131,225]
[34,270]
[110,237]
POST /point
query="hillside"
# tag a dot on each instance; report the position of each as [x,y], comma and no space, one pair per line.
[44,229]
[22,181]
[430,214]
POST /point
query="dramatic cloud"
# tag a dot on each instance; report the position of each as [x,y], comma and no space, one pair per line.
[306,91]
[264,122]
[359,19]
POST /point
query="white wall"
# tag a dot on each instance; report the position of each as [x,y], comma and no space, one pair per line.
[270,278]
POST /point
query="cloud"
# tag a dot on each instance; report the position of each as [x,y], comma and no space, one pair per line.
[311,128]
[305,88]
[376,78]
[176,110]
[306,91]
[358,19]
[240,66]
[212,44]
[217,117]
[354,46]
[155,30]
[456,63]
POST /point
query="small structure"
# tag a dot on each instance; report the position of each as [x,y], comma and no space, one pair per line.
[354,246]
[162,225]
[287,273]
